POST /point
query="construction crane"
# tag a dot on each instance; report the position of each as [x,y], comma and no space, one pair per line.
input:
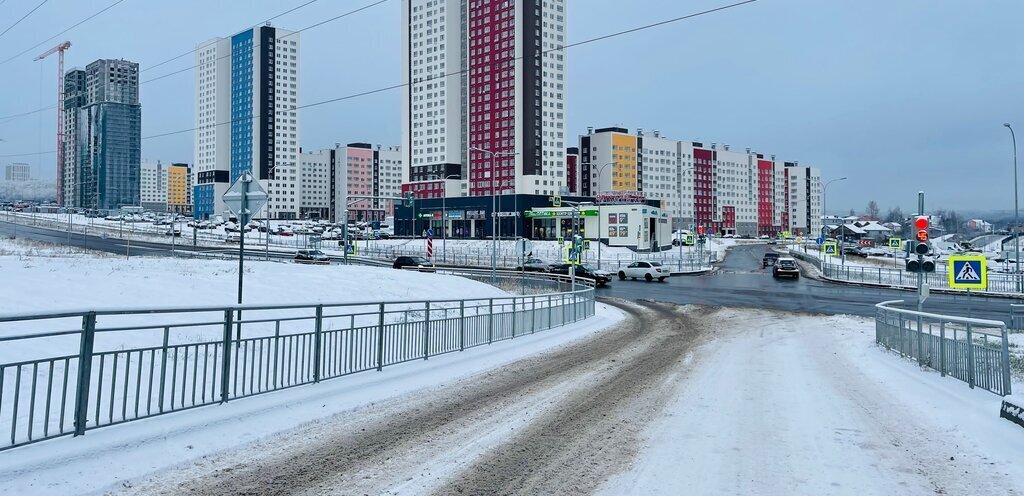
[59,49]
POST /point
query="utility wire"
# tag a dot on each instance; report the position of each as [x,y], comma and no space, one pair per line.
[194,50]
[23,17]
[311,26]
[431,78]
[73,26]
[7,118]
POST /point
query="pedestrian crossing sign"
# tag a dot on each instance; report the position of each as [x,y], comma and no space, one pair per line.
[967,272]
[896,243]
[829,248]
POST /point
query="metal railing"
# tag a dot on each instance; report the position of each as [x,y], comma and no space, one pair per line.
[67,373]
[997,283]
[975,351]
[506,258]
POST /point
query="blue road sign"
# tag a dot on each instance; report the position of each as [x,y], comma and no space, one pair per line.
[820,240]
[967,272]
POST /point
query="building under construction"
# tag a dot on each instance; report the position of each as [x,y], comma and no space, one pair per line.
[102,128]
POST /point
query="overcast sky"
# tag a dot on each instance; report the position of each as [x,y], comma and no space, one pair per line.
[897,95]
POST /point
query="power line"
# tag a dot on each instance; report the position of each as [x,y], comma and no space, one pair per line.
[431,78]
[194,50]
[318,24]
[463,71]
[7,118]
[23,17]
[73,26]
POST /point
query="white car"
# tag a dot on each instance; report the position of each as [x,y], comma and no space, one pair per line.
[649,271]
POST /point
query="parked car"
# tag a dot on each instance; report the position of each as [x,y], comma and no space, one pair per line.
[174,231]
[534,265]
[311,257]
[600,277]
[786,267]
[769,259]
[420,263]
[855,251]
[649,271]
[233,238]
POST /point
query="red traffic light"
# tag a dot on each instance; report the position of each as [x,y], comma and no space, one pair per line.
[921,223]
[700,230]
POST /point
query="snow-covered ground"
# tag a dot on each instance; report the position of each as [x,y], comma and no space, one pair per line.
[111,459]
[43,279]
[452,251]
[786,404]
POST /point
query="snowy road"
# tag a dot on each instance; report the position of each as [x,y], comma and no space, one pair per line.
[677,400]
[555,423]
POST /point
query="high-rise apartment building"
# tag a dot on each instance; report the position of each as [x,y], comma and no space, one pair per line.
[17,172]
[724,190]
[102,126]
[322,186]
[153,186]
[330,177]
[485,95]
[247,92]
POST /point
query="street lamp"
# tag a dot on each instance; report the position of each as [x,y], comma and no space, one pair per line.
[494,207]
[444,215]
[600,172]
[1016,208]
[824,192]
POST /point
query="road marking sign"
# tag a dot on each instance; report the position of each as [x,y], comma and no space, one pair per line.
[829,248]
[556,201]
[896,243]
[689,240]
[967,272]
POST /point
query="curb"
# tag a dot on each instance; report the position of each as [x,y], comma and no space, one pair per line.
[1012,409]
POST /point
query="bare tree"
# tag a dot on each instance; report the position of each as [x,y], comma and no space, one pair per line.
[872,211]
[895,215]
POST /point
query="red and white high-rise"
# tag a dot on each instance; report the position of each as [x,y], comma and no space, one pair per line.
[485,96]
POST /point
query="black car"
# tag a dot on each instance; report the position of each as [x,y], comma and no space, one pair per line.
[855,251]
[769,259]
[420,263]
[600,277]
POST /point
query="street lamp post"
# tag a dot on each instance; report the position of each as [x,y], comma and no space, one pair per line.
[600,173]
[1016,208]
[824,211]
[494,207]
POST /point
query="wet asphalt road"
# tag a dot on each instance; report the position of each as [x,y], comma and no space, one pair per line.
[741,282]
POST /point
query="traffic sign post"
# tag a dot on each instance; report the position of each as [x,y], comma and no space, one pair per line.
[829,249]
[244,198]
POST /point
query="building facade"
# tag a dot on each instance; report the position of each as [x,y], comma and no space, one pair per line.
[247,93]
[153,186]
[102,126]
[724,190]
[485,96]
[179,188]
[17,172]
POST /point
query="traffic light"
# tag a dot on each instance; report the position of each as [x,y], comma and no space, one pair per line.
[409,196]
[926,264]
[921,225]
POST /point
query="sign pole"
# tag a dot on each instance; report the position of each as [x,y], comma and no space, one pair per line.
[920,258]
